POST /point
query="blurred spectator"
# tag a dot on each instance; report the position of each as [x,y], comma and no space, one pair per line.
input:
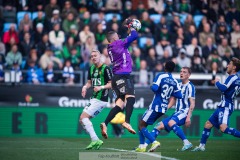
[191,47]
[1,73]
[11,34]
[160,25]
[235,35]
[68,47]
[158,68]
[136,59]
[16,70]
[113,6]
[68,8]
[26,45]
[140,9]
[205,34]
[2,48]
[56,37]
[184,7]
[86,19]
[237,49]
[221,20]
[182,60]
[105,57]
[100,35]
[213,11]
[151,59]
[41,46]
[223,47]
[176,23]
[13,56]
[26,20]
[188,22]
[68,73]
[41,19]
[9,5]
[87,47]
[75,58]
[55,17]
[74,34]
[208,48]
[233,14]
[162,33]
[198,62]
[166,57]
[50,8]
[100,18]
[202,24]
[38,34]
[26,29]
[226,59]
[143,74]
[222,33]
[32,57]
[35,75]
[192,33]
[85,33]
[179,34]
[127,10]
[213,70]
[68,22]
[147,25]
[48,58]
[23,5]
[161,47]
[37,5]
[214,58]
[177,46]
[113,20]
[50,77]
[149,44]
[155,7]
[170,8]
[95,6]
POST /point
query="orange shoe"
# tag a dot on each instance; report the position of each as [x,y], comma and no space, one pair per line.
[128,127]
[104,130]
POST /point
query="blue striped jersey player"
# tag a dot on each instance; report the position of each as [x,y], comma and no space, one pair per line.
[183,112]
[164,86]
[220,118]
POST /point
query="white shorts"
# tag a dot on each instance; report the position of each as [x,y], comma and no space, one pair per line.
[94,107]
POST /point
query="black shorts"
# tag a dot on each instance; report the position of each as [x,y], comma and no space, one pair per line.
[122,85]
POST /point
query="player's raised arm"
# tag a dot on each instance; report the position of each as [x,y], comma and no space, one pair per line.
[133,35]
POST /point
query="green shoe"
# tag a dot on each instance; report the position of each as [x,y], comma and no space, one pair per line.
[91,145]
[98,144]
[154,146]
[138,149]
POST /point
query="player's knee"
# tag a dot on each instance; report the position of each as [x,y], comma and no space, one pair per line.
[159,126]
[141,125]
[223,127]
[171,123]
[208,125]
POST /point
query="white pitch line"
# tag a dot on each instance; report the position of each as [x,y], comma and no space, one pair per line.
[146,153]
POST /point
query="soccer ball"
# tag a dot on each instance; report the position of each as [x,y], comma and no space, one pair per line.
[136,24]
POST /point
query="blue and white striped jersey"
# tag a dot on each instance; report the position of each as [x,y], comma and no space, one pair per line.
[188,91]
[230,89]
[164,86]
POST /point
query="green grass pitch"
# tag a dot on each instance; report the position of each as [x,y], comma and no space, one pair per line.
[69,148]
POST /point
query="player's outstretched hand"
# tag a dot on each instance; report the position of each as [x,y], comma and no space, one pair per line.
[128,23]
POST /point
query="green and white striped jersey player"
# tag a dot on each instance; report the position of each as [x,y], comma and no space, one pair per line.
[99,77]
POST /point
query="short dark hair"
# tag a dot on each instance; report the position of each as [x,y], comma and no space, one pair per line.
[109,35]
[169,66]
[188,69]
[236,62]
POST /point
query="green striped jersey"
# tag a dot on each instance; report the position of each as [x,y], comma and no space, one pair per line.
[99,77]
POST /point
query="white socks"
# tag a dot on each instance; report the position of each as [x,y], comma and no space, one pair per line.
[186,142]
[89,128]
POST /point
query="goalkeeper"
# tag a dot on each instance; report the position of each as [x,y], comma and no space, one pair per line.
[122,84]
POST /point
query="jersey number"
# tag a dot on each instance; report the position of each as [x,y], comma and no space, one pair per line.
[166,91]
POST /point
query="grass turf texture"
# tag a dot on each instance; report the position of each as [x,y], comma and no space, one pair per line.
[69,148]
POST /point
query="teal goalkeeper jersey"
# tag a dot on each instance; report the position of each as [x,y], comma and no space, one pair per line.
[99,77]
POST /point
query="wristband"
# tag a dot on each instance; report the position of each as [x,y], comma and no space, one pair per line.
[102,87]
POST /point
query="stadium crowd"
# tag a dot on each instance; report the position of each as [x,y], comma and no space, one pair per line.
[44,36]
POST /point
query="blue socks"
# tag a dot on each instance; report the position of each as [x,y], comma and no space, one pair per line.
[178,131]
[154,134]
[146,133]
[205,135]
[232,131]
[141,137]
